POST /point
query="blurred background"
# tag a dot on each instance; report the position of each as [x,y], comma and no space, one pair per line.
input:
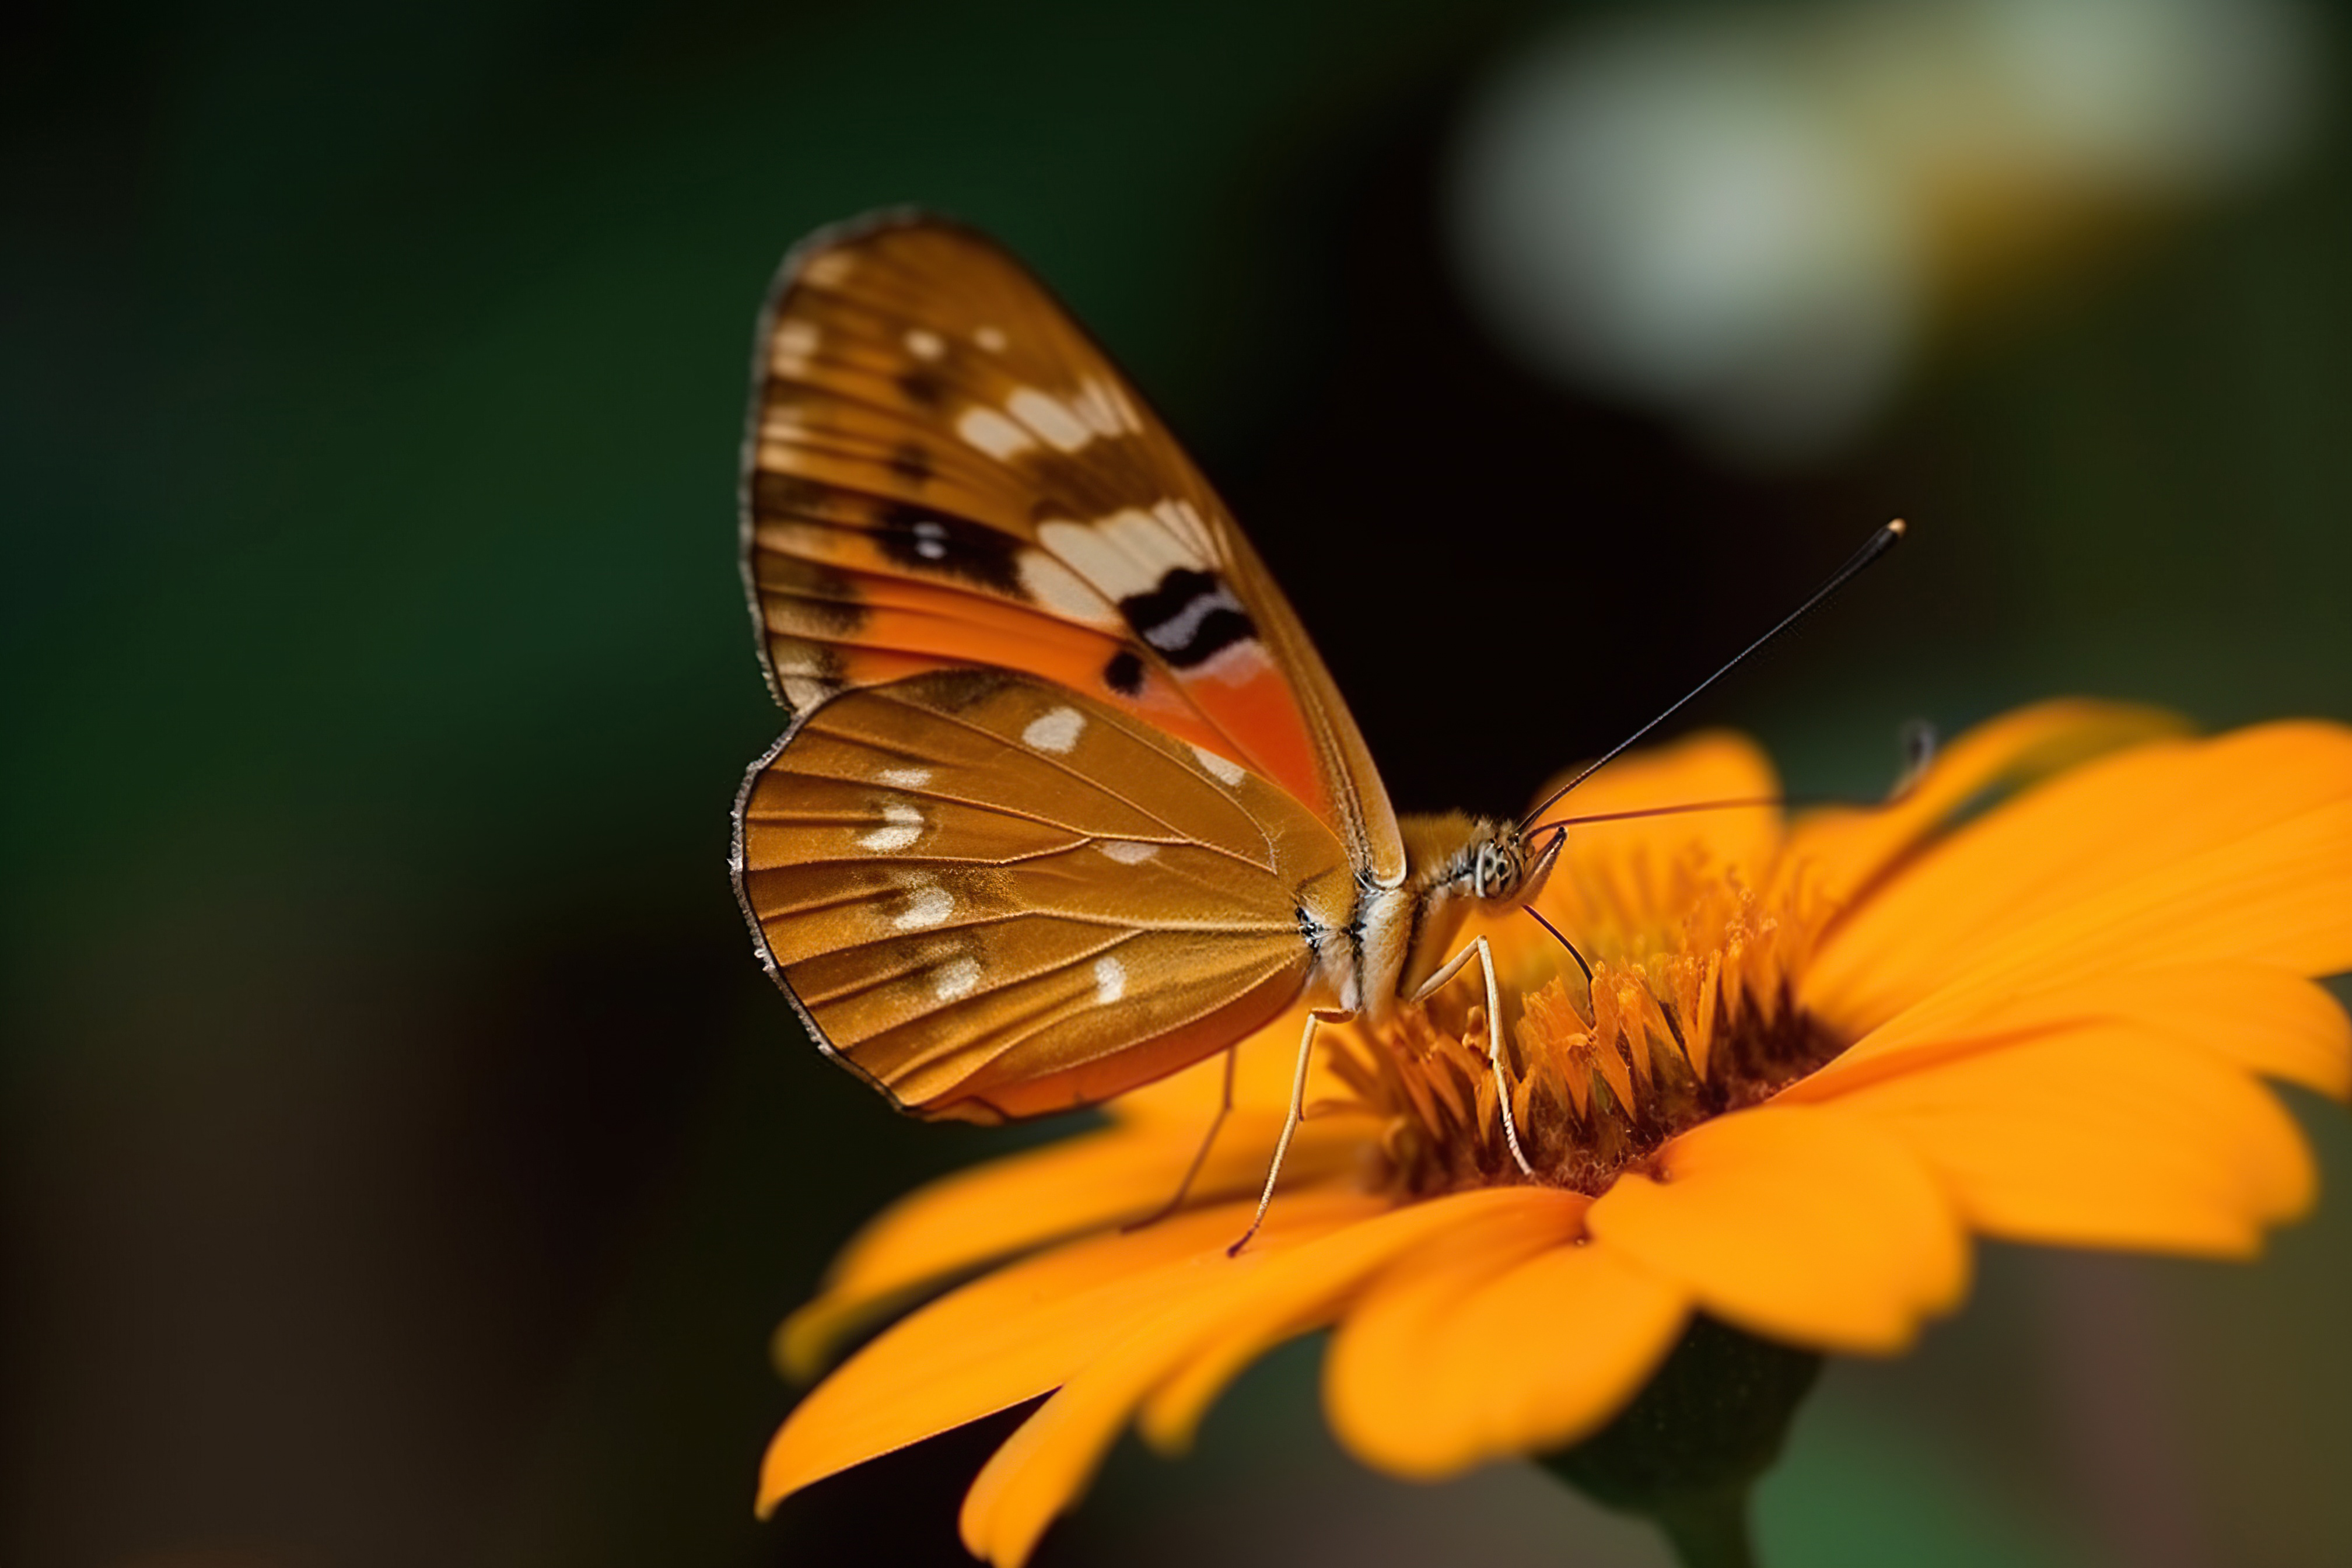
[405,1161]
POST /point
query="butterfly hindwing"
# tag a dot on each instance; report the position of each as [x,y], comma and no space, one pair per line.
[941,469]
[996,897]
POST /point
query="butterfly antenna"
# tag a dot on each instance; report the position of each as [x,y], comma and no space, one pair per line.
[1918,741]
[1564,823]
[1876,545]
[1562,941]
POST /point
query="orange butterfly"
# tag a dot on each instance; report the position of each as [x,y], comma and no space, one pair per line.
[1069,801]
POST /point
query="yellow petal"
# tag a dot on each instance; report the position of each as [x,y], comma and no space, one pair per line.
[1503,1232]
[1499,1344]
[1024,1329]
[1254,1301]
[2277,898]
[1796,1223]
[1846,849]
[2100,1136]
[1012,1205]
[2238,849]
[2264,1020]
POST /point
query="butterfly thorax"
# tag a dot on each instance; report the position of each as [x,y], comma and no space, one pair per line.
[1454,863]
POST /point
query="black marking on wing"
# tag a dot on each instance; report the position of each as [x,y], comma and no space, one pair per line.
[1189,618]
[1124,673]
[954,691]
[912,463]
[822,599]
[773,492]
[951,546]
[796,661]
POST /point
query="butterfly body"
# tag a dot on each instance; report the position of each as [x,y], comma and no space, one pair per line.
[1070,802]
[1456,865]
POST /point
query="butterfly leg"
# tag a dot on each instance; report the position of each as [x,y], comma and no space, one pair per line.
[1290,1125]
[1452,967]
[1200,1157]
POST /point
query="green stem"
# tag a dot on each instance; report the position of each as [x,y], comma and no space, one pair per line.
[1688,1449]
[1710,1530]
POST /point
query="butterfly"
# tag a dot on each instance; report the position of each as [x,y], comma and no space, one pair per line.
[1068,800]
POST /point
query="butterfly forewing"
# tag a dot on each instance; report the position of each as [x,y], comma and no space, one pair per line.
[997,896]
[941,469]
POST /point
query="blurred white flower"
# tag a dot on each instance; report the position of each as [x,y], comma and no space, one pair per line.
[1747,218]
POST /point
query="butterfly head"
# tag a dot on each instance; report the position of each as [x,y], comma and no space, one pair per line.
[1505,866]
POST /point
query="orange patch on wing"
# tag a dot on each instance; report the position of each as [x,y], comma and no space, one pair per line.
[1259,712]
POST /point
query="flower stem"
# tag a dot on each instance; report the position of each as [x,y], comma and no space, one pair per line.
[1710,1530]
[1687,1451]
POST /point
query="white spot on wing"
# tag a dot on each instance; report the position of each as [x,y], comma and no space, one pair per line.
[1105,408]
[993,433]
[1183,519]
[829,270]
[1127,851]
[784,424]
[1096,408]
[1095,557]
[930,539]
[1056,731]
[905,778]
[1110,980]
[931,904]
[990,339]
[1054,421]
[902,824]
[1229,772]
[805,691]
[796,342]
[782,432]
[793,538]
[1126,552]
[1063,591]
[1130,551]
[1148,539]
[923,344]
[959,977]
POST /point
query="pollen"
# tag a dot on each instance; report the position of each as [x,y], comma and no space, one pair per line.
[1676,1026]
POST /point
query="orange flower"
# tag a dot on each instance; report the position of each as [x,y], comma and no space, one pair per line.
[1813,1058]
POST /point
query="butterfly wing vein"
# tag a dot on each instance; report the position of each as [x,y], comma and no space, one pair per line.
[942,469]
[972,914]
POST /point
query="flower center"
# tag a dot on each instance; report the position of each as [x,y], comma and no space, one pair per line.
[1676,1026]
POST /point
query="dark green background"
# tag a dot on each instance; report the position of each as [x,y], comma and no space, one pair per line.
[405,1161]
